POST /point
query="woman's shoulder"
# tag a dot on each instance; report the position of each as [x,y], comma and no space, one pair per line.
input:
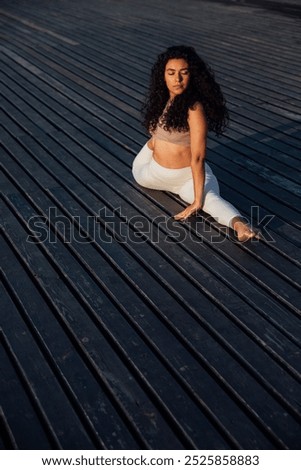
[197,117]
[196,107]
[196,111]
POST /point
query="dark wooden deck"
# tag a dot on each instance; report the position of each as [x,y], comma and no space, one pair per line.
[120,328]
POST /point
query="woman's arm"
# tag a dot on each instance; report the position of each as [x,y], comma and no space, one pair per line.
[198,134]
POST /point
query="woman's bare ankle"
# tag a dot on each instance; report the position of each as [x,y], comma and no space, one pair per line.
[243,230]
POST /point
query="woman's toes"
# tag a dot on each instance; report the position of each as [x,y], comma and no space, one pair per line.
[244,232]
[246,235]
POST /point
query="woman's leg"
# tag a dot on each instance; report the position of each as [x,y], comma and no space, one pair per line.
[141,164]
[148,173]
[142,170]
[213,203]
[220,209]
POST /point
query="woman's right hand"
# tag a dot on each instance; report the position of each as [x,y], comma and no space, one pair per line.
[192,209]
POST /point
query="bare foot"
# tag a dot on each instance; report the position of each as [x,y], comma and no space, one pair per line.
[244,231]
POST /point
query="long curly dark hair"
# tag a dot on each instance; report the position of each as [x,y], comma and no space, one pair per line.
[202,88]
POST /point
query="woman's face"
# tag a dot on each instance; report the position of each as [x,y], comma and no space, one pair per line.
[176,76]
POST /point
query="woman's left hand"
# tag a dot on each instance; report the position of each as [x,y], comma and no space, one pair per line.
[188,211]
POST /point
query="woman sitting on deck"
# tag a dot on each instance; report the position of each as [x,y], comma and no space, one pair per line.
[183,103]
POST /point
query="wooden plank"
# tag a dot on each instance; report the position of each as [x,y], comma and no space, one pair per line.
[102,126]
[268,175]
[121,308]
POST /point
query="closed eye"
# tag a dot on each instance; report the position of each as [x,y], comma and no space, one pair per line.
[182,72]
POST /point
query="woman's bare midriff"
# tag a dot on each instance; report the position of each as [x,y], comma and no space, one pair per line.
[170,155]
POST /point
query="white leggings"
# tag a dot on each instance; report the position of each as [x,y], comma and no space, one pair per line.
[148,173]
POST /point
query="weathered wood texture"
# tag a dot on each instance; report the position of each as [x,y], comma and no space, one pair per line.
[121,328]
